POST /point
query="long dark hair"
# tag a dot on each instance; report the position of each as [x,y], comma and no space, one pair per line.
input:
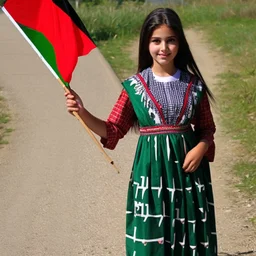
[184,59]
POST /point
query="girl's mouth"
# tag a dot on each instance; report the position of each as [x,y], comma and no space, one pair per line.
[164,55]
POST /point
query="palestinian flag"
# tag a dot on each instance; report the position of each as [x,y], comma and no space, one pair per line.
[54,30]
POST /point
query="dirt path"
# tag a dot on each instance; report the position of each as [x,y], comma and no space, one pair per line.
[233,209]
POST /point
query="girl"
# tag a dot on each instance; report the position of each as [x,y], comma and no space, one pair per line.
[170,208]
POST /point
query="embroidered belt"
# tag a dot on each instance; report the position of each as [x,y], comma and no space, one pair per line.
[163,129]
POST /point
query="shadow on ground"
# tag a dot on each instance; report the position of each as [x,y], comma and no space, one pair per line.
[251,253]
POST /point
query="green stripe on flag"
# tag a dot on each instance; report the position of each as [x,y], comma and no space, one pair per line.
[44,47]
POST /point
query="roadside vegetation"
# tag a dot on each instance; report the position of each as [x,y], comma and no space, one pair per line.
[229,26]
[4,119]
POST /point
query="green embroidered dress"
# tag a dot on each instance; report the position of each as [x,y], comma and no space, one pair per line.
[169,212]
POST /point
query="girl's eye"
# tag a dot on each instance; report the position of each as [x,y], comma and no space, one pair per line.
[169,41]
[172,40]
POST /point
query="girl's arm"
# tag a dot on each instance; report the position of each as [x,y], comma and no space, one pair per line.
[117,125]
[75,104]
[204,129]
[120,120]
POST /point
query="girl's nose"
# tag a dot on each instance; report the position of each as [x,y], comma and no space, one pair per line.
[163,46]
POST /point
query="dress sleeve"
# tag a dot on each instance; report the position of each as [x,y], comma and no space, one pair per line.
[120,120]
[205,126]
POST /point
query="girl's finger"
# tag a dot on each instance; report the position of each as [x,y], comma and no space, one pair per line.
[194,168]
[190,167]
[73,109]
[71,102]
[185,164]
[70,96]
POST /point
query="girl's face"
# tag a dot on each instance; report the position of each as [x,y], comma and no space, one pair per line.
[163,47]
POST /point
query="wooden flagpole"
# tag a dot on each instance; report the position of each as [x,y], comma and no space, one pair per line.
[90,132]
[63,85]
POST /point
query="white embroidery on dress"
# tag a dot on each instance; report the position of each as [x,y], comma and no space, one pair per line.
[140,90]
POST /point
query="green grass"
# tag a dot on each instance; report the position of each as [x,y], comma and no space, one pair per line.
[122,65]
[253,220]
[229,26]
[248,177]
[116,23]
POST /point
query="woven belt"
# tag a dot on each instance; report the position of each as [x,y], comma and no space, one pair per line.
[163,129]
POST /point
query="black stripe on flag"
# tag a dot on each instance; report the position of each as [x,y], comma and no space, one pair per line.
[68,9]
